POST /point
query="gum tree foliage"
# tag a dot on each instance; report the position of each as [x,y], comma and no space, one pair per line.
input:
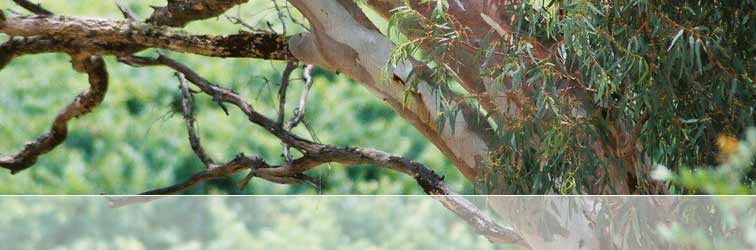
[602,90]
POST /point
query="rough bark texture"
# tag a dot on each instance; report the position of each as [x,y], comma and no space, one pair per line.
[119,36]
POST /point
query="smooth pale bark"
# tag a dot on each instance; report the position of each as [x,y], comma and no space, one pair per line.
[344,40]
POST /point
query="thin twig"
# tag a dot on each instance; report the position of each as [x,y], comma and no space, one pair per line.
[299,111]
[294,20]
[239,21]
[33,7]
[124,8]
[285,78]
[186,108]
[280,16]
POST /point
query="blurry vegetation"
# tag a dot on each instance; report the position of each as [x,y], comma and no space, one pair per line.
[733,176]
[730,222]
[189,223]
[135,141]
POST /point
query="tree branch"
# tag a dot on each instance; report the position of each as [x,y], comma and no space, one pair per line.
[34,8]
[80,50]
[227,96]
[431,183]
[115,34]
[83,104]
[284,85]
[186,109]
[102,32]
[124,8]
[299,111]
[317,154]
[178,13]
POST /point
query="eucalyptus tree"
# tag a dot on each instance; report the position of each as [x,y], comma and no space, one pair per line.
[523,97]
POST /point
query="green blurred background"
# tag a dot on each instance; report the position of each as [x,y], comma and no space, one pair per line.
[208,222]
[136,142]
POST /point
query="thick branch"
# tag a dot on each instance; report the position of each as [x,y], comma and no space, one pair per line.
[466,19]
[115,35]
[180,12]
[84,103]
[344,40]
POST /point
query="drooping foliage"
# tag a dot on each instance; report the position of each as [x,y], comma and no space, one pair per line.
[602,90]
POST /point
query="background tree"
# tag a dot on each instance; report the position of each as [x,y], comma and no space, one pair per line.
[569,97]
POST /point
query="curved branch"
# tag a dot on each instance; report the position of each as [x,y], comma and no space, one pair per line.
[176,12]
[317,154]
[186,108]
[299,111]
[239,163]
[84,103]
[431,183]
[284,85]
[227,96]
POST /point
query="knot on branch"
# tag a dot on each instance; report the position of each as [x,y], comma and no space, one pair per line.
[249,161]
[430,182]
